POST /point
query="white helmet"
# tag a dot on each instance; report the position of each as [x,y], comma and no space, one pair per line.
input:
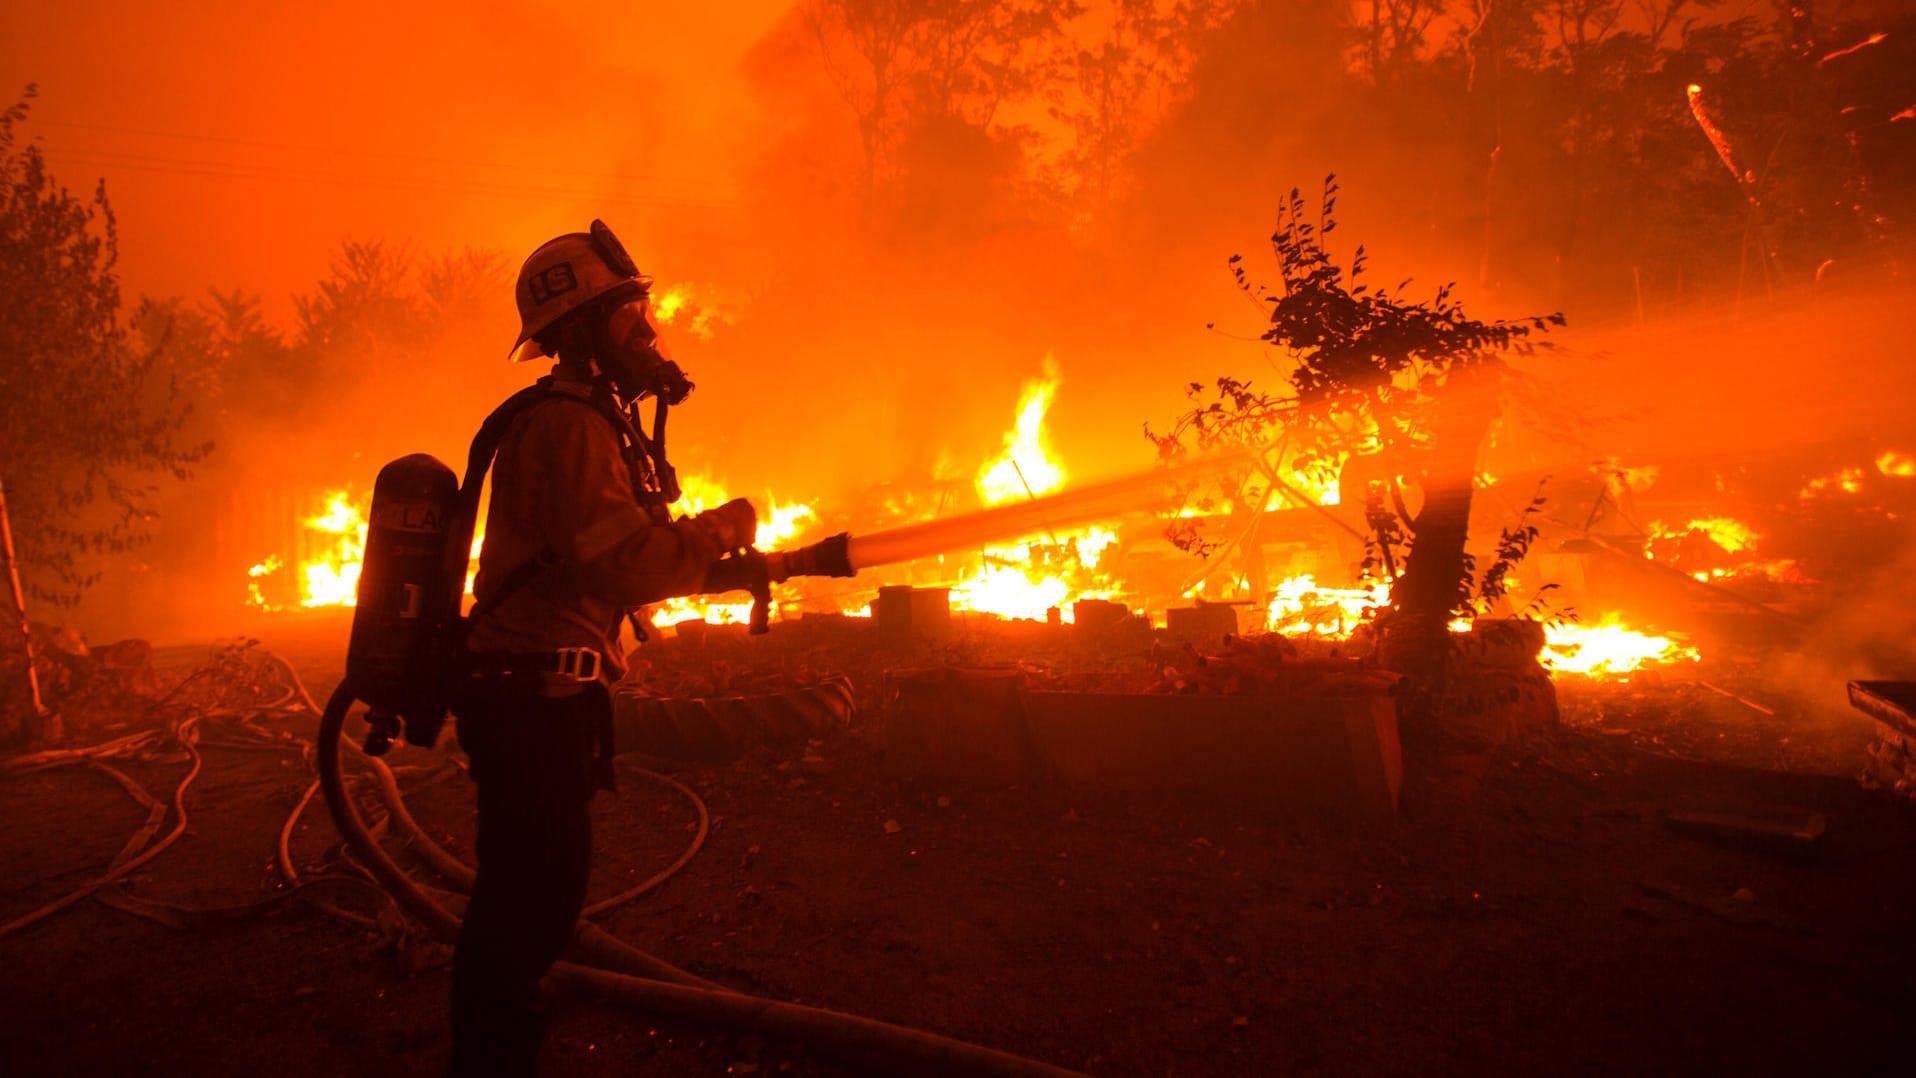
[566,273]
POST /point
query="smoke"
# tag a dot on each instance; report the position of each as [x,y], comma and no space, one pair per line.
[876,334]
[1776,415]
[1864,634]
[1783,377]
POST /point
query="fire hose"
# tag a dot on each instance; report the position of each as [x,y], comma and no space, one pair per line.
[624,974]
[619,973]
[421,561]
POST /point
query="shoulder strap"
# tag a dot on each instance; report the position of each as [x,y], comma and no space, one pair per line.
[485,446]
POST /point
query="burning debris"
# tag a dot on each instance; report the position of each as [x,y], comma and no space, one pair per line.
[1047,573]
[1282,542]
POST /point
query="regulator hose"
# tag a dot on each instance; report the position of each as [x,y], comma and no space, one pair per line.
[661,988]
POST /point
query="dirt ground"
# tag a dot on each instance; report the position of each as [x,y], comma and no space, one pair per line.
[1528,911]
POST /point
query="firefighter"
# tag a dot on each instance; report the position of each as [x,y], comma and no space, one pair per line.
[577,537]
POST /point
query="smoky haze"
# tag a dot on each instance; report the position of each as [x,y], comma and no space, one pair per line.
[874,323]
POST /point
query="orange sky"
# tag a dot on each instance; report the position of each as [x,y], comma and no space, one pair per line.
[241,142]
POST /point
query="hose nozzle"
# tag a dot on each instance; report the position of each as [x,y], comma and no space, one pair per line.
[827,557]
[753,572]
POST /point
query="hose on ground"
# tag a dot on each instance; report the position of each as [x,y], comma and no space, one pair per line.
[603,947]
[124,864]
[450,866]
[662,989]
[666,873]
[188,735]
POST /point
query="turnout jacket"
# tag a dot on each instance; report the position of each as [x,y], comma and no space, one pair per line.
[562,492]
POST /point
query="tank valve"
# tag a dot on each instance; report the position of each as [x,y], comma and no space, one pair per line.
[383,730]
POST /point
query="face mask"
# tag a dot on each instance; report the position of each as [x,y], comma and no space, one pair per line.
[635,355]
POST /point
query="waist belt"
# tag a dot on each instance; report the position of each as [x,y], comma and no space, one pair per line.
[576,664]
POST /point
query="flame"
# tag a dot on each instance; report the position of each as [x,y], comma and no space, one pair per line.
[1847,481]
[1607,649]
[1731,534]
[667,302]
[1091,545]
[1025,468]
[332,579]
[702,317]
[1893,462]
[267,568]
[1301,605]
[1318,483]
[1734,538]
[472,558]
[1780,570]
[1039,573]
[1003,587]
[781,522]
[701,608]
[1026,579]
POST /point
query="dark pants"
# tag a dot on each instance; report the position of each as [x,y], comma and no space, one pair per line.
[532,760]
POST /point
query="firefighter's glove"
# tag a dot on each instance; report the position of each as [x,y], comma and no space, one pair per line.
[735,524]
[740,572]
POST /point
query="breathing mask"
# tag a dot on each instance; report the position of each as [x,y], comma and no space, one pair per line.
[632,352]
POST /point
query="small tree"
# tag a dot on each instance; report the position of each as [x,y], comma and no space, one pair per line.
[1415,382]
[86,414]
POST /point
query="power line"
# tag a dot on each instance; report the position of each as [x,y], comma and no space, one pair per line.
[273,173]
[325,151]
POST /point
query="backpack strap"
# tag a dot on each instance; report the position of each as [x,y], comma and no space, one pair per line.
[485,447]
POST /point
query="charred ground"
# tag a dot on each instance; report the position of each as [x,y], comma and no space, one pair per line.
[1529,909]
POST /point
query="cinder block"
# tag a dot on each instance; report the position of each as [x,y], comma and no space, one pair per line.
[1205,623]
[909,615]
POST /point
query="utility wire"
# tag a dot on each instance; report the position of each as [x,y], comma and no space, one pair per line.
[322,151]
[281,174]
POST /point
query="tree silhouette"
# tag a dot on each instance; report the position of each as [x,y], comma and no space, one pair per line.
[1415,384]
[87,417]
